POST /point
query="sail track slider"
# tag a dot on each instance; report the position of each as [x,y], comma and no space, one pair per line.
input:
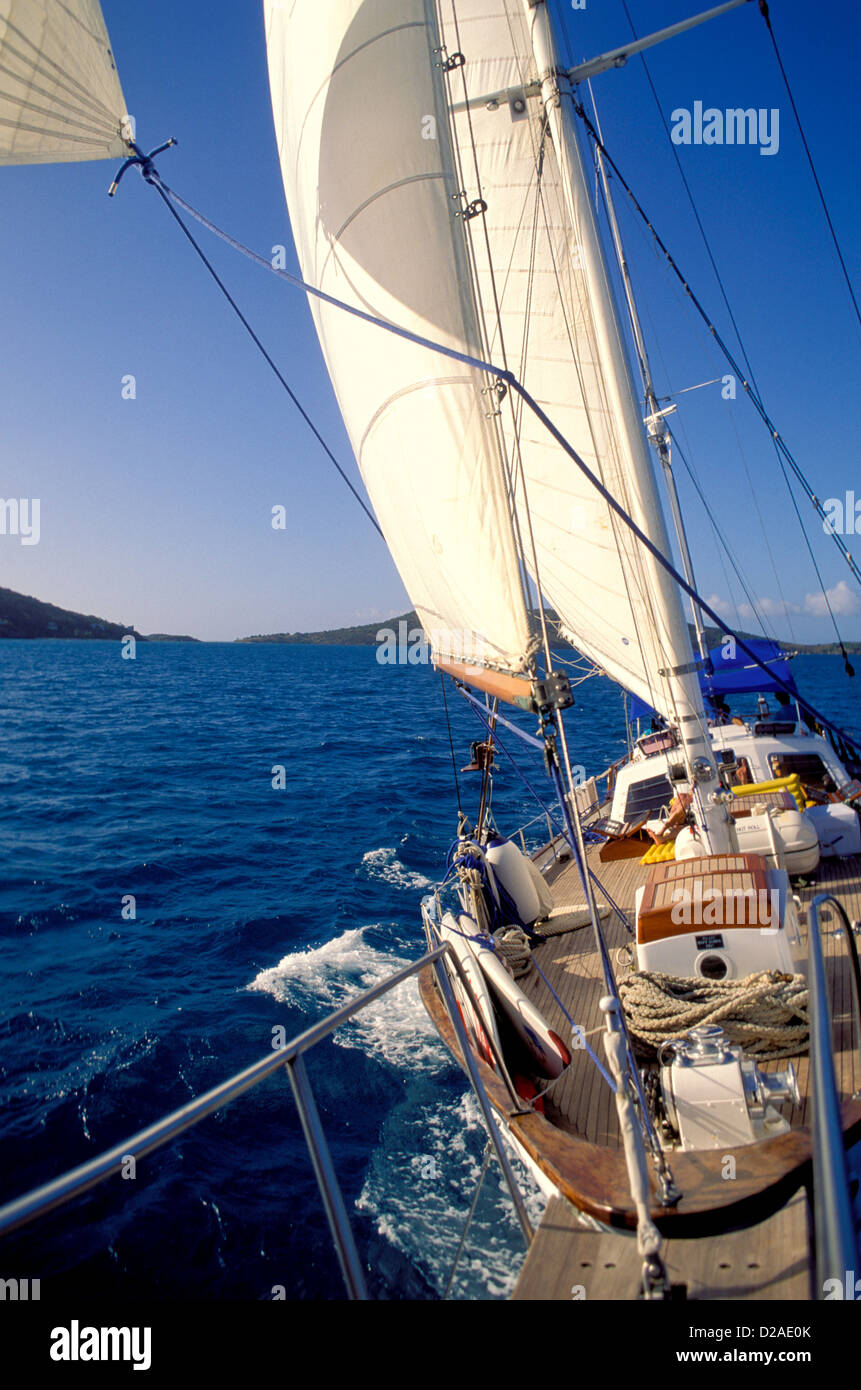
[473,209]
[500,391]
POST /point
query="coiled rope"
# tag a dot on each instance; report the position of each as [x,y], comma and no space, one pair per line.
[766,1013]
[514,949]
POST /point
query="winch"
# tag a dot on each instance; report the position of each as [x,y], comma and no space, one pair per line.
[715,1097]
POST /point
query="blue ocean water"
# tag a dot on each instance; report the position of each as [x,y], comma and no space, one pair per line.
[255,908]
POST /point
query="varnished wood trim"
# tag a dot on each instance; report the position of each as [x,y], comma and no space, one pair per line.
[514,690]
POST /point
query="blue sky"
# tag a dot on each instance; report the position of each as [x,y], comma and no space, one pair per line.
[156,511]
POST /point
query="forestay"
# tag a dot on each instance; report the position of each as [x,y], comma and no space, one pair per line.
[60,96]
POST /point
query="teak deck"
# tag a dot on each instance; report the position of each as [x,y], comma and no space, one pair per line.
[576,1142]
[766,1262]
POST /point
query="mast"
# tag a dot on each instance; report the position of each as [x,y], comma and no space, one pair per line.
[658,432]
[680,672]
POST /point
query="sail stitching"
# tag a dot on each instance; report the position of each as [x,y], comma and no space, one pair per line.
[482,325]
[96,108]
[518,461]
[62,78]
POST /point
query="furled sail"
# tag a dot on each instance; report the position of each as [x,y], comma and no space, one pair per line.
[556,330]
[369,174]
[60,96]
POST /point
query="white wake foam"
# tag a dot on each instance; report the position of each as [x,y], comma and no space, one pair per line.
[419,1187]
[384,864]
[395,1027]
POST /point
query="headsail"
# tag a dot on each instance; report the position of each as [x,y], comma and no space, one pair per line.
[60,96]
[555,333]
[359,103]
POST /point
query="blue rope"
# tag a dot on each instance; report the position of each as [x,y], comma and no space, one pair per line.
[501,907]
[576,1029]
[611,902]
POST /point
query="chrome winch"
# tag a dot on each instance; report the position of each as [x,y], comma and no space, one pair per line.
[715,1097]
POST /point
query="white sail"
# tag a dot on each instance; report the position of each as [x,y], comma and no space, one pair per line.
[60,96]
[555,333]
[358,97]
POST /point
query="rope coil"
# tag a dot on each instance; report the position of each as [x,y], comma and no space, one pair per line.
[767,1013]
[514,950]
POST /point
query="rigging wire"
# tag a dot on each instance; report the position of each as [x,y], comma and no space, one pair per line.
[535,570]
[721,286]
[512,382]
[451,743]
[166,195]
[747,383]
[632,574]
[481,315]
[680,299]
[763,9]
[720,536]
[488,1149]
[712,518]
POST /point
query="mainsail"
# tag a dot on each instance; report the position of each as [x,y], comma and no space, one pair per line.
[60,96]
[359,102]
[383,154]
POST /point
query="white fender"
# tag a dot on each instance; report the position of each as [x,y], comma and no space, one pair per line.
[548,1052]
[521,880]
[688,844]
[483,1028]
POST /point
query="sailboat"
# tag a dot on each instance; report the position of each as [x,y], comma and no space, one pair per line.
[440,202]
[439,198]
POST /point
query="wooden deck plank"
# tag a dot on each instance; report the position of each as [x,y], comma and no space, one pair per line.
[766,1262]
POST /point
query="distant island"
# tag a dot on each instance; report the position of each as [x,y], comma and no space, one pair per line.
[365,635]
[22,616]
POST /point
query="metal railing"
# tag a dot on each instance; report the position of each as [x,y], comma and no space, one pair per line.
[290,1056]
[837,1242]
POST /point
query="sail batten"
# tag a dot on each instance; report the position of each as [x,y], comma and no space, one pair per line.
[60,95]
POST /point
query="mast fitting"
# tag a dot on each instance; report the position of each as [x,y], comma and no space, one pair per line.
[553,693]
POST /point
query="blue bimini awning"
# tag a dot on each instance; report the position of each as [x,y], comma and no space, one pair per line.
[735,675]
